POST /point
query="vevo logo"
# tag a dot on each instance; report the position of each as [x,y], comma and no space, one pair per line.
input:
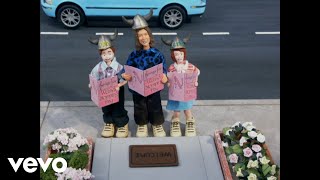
[31,162]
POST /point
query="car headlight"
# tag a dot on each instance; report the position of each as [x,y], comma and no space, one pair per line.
[48,1]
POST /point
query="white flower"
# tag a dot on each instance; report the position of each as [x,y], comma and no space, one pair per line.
[261,138]
[249,164]
[243,140]
[247,152]
[252,176]
[252,134]
[249,128]
[256,148]
[239,173]
[255,164]
[273,169]
[67,138]
[245,124]
[235,124]
[264,160]
[225,144]
[227,132]
[233,158]
[63,138]
[56,146]
[259,155]
[271,178]
[74,174]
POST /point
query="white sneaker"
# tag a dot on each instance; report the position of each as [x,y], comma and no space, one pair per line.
[175,130]
[122,132]
[190,127]
[108,130]
[142,131]
[158,131]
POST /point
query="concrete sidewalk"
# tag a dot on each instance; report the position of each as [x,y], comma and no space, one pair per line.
[211,115]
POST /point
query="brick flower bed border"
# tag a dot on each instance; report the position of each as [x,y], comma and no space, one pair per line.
[223,159]
[90,153]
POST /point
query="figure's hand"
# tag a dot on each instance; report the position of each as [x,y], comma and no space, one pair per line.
[196,83]
[164,79]
[119,85]
[126,76]
[168,84]
[89,85]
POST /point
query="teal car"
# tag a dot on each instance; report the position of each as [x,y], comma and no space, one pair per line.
[171,14]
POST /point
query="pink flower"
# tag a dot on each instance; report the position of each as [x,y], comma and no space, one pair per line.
[233,158]
[256,148]
[247,152]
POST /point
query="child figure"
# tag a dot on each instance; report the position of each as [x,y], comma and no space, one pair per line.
[181,65]
[146,109]
[114,115]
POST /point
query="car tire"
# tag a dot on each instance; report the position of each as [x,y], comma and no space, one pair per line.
[173,17]
[71,16]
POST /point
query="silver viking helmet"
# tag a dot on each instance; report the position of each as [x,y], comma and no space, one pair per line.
[138,21]
[104,42]
[176,43]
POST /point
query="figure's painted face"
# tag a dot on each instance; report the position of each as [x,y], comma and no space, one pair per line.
[144,38]
[179,56]
[107,55]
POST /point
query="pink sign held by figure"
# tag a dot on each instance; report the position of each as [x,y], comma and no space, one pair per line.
[103,92]
[182,86]
[145,82]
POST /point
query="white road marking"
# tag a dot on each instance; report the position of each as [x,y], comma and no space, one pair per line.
[108,33]
[267,32]
[55,33]
[215,33]
[156,33]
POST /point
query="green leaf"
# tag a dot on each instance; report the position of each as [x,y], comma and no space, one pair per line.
[237,166]
[232,134]
[254,171]
[266,169]
[245,173]
[243,166]
[237,149]
[79,160]
[84,148]
[228,150]
[224,130]
[239,128]
[232,143]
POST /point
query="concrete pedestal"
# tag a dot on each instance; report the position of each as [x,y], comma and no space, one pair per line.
[198,159]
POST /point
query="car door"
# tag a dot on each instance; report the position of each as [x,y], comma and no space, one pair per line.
[119,7]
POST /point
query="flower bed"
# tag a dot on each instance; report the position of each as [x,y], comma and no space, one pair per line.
[76,150]
[244,154]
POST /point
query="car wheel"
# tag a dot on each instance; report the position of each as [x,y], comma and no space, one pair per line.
[71,16]
[172,17]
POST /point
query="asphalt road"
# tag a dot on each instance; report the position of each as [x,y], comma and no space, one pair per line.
[242,64]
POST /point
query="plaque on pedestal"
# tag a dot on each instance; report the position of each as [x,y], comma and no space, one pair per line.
[153,155]
[197,159]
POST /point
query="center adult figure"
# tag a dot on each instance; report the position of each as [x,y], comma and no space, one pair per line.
[146,109]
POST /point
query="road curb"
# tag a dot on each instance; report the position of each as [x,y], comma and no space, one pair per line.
[164,103]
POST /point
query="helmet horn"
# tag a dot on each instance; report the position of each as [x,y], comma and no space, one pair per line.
[166,42]
[113,37]
[128,21]
[149,15]
[185,40]
[93,41]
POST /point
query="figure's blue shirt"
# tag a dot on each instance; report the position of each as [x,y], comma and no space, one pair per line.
[144,59]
